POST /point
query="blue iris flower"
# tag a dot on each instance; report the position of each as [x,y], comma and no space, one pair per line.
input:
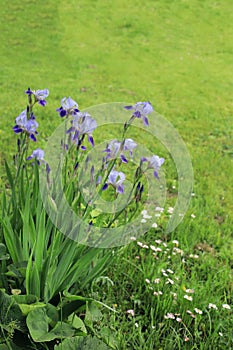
[116,180]
[38,154]
[154,163]
[28,126]
[141,110]
[40,95]
[68,107]
[114,147]
[83,124]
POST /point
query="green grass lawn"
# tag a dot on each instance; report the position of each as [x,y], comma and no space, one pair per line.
[178,55]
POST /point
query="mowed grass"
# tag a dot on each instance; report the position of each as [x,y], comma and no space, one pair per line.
[178,55]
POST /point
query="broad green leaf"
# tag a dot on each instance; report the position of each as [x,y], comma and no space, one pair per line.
[38,323]
[52,314]
[82,343]
[77,323]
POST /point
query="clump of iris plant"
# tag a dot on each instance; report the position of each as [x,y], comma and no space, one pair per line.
[79,128]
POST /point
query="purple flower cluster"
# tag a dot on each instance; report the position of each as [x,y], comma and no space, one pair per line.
[115,149]
[26,121]
[82,124]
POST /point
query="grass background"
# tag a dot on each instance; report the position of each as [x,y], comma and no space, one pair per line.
[177,54]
